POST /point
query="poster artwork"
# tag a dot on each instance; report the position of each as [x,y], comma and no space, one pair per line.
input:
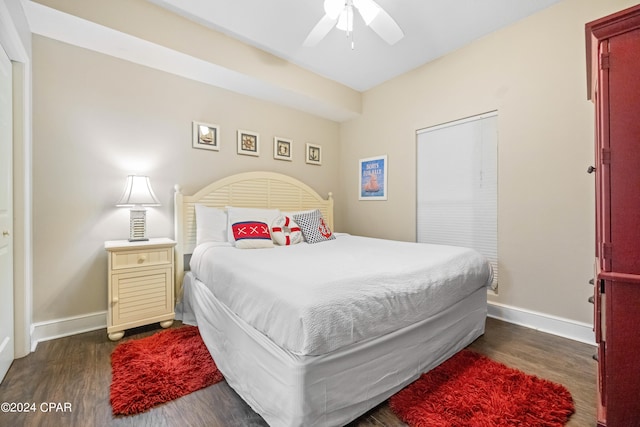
[373,178]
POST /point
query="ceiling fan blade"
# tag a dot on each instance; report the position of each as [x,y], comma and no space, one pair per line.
[318,32]
[368,9]
[386,27]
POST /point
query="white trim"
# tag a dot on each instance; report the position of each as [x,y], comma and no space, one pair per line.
[566,328]
[52,329]
[457,122]
[23,193]
[10,38]
[19,54]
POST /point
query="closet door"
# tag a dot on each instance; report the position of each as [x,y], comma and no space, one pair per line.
[624,144]
[622,342]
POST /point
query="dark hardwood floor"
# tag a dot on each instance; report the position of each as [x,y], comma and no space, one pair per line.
[77,370]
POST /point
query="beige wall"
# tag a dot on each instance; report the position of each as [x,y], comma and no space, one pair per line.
[95,120]
[533,73]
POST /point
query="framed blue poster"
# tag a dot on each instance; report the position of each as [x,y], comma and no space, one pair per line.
[373,173]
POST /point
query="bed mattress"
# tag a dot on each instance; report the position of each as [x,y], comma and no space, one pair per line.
[315,299]
[290,390]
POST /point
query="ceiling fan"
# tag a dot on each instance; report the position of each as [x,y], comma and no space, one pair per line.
[340,13]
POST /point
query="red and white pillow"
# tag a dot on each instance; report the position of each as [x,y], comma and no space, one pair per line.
[285,231]
[235,214]
[251,234]
[247,226]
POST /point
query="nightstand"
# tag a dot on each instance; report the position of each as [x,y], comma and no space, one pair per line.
[140,284]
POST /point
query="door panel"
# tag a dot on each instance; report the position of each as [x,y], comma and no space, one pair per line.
[624,142]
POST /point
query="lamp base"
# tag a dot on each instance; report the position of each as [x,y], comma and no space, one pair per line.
[138,225]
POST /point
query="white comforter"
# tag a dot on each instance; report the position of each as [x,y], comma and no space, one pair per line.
[313,299]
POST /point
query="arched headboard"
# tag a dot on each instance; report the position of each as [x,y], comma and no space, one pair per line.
[250,190]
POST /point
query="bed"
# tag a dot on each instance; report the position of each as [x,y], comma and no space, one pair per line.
[318,334]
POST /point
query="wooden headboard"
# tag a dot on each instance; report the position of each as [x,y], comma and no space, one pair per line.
[249,190]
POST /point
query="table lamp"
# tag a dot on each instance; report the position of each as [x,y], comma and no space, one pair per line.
[137,194]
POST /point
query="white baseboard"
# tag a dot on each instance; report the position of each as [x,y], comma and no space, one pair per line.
[577,331]
[52,329]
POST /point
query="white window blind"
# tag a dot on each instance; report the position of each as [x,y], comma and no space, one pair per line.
[457,188]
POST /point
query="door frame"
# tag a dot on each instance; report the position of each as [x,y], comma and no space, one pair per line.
[13,22]
[7,341]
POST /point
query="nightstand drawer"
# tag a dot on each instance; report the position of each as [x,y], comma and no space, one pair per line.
[140,258]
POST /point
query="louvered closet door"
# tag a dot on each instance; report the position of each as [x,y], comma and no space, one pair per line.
[624,143]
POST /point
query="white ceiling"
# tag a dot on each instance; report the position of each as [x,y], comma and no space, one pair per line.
[432,28]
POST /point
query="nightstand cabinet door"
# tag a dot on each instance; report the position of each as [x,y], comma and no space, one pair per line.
[141,295]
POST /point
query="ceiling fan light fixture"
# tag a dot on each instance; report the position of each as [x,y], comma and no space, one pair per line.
[368,10]
[339,13]
[333,8]
[345,20]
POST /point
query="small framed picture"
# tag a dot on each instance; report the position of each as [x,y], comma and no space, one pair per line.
[314,154]
[372,179]
[282,149]
[248,143]
[205,136]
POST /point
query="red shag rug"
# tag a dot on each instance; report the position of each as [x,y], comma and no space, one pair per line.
[156,369]
[470,389]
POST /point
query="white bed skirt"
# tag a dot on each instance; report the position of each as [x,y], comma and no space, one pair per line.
[289,390]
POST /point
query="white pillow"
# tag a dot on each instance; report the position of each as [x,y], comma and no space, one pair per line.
[211,224]
[235,214]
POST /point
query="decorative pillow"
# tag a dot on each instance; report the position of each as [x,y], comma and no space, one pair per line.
[242,214]
[251,234]
[285,231]
[313,226]
[211,224]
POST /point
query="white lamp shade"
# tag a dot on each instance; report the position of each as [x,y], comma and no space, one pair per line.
[137,192]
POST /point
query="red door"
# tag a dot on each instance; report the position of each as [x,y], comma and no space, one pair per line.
[624,143]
